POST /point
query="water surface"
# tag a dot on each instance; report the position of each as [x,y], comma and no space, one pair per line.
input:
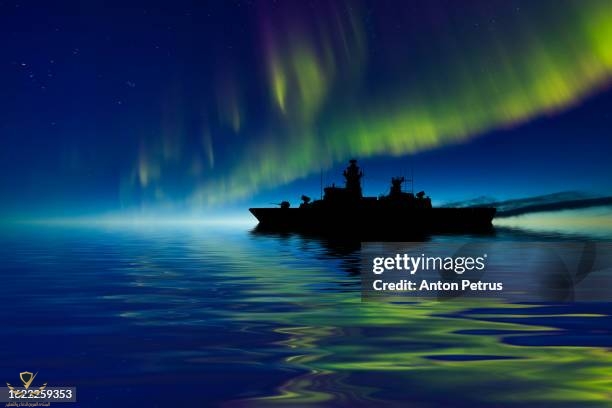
[221,316]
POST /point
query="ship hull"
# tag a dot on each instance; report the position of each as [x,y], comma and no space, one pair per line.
[380,222]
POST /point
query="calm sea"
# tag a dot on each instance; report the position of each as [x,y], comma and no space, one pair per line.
[221,316]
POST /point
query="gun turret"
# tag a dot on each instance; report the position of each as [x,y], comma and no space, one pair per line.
[283,204]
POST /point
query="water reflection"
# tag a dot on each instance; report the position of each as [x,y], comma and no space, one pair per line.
[154,317]
[469,350]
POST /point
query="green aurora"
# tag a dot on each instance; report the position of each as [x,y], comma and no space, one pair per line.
[444,86]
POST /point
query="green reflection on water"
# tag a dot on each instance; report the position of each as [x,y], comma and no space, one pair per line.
[402,340]
[334,340]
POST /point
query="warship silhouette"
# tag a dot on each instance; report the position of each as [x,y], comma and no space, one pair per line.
[345,211]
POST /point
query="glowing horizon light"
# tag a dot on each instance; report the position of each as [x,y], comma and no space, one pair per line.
[135,221]
[592,222]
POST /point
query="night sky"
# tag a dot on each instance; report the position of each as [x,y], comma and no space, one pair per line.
[208,106]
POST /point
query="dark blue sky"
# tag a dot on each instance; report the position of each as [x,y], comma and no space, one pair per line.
[195,105]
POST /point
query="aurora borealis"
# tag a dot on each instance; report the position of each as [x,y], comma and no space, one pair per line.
[452,85]
[193,105]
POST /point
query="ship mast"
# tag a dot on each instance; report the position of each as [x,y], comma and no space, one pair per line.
[411,179]
[321,183]
[353,175]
